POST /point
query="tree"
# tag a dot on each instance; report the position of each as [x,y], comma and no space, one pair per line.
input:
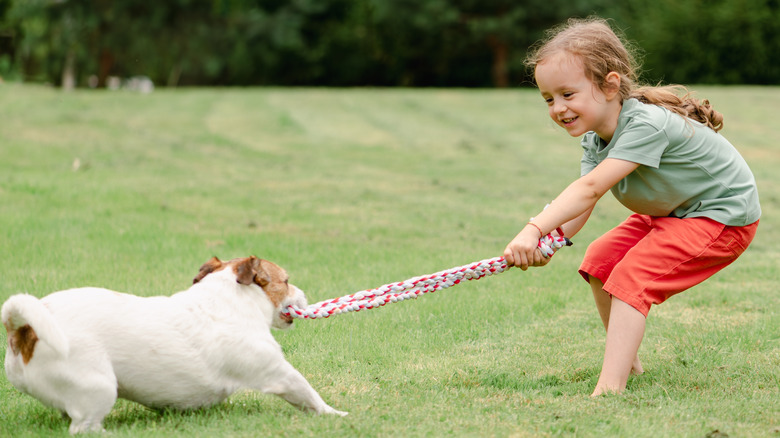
[696,41]
[474,43]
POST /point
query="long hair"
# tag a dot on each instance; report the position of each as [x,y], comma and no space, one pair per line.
[601,51]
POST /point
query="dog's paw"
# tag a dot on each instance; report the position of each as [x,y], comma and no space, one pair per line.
[339,413]
[327,410]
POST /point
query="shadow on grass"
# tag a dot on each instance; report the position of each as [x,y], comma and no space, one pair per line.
[31,418]
[128,415]
[551,384]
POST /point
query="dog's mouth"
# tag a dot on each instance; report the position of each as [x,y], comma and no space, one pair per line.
[286,317]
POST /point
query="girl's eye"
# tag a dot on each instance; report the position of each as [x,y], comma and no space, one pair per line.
[568,95]
[549,100]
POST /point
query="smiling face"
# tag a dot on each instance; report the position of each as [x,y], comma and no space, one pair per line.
[575,103]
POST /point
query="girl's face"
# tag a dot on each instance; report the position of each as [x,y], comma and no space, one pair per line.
[574,101]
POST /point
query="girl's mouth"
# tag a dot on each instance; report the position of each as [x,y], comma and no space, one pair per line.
[569,121]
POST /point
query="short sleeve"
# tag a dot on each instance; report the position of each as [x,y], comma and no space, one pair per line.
[640,143]
[589,159]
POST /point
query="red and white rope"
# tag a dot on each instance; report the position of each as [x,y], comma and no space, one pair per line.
[414,287]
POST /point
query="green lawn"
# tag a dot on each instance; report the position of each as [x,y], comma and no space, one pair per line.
[351,189]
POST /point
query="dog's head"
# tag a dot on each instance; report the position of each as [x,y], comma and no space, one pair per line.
[270,277]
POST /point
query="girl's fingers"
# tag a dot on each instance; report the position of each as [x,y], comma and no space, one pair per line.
[509,257]
[524,261]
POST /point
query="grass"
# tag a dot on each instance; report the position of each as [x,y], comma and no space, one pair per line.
[351,189]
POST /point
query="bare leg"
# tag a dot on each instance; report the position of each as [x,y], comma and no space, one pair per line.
[604,305]
[603,300]
[626,329]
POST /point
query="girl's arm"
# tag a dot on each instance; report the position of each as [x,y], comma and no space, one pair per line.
[569,229]
[572,207]
[572,227]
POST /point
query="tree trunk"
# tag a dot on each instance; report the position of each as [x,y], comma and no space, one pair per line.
[500,68]
[69,71]
[174,75]
[105,64]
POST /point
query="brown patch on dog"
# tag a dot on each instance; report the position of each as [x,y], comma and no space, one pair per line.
[248,271]
[22,340]
[278,288]
[268,275]
[214,264]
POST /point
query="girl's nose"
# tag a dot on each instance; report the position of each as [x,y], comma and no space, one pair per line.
[559,107]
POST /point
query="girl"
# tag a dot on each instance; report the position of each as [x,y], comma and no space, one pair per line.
[694,198]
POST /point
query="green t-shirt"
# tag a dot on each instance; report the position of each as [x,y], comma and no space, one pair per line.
[686,169]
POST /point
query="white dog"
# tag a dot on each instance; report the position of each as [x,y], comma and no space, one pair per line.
[78,350]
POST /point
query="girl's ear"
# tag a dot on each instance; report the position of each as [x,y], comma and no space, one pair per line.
[612,85]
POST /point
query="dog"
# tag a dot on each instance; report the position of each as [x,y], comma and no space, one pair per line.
[77,350]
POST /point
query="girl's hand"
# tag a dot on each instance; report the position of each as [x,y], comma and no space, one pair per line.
[572,207]
[523,251]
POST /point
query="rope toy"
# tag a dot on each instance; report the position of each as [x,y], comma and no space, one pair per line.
[414,287]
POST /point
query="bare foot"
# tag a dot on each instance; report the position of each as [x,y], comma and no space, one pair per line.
[636,367]
[601,390]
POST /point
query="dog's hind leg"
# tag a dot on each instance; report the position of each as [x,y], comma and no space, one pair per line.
[86,425]
[90,418]
[90,405]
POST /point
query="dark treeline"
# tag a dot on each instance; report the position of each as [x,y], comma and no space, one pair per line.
[466,43]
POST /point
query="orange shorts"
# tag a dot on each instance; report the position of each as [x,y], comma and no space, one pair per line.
[647,259]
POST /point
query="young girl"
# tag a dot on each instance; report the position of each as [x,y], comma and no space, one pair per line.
[694,198]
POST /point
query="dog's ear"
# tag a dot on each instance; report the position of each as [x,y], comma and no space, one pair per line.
[249,271]
[210,266]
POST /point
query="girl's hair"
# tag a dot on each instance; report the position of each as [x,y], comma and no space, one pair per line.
[601,51]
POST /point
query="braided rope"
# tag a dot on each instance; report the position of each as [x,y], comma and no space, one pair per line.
[414,287]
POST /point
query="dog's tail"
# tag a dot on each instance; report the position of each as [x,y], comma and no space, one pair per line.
[27,320]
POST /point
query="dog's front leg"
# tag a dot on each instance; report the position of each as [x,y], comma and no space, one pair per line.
[293,387]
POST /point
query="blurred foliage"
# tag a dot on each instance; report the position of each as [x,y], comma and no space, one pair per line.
[471,43]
